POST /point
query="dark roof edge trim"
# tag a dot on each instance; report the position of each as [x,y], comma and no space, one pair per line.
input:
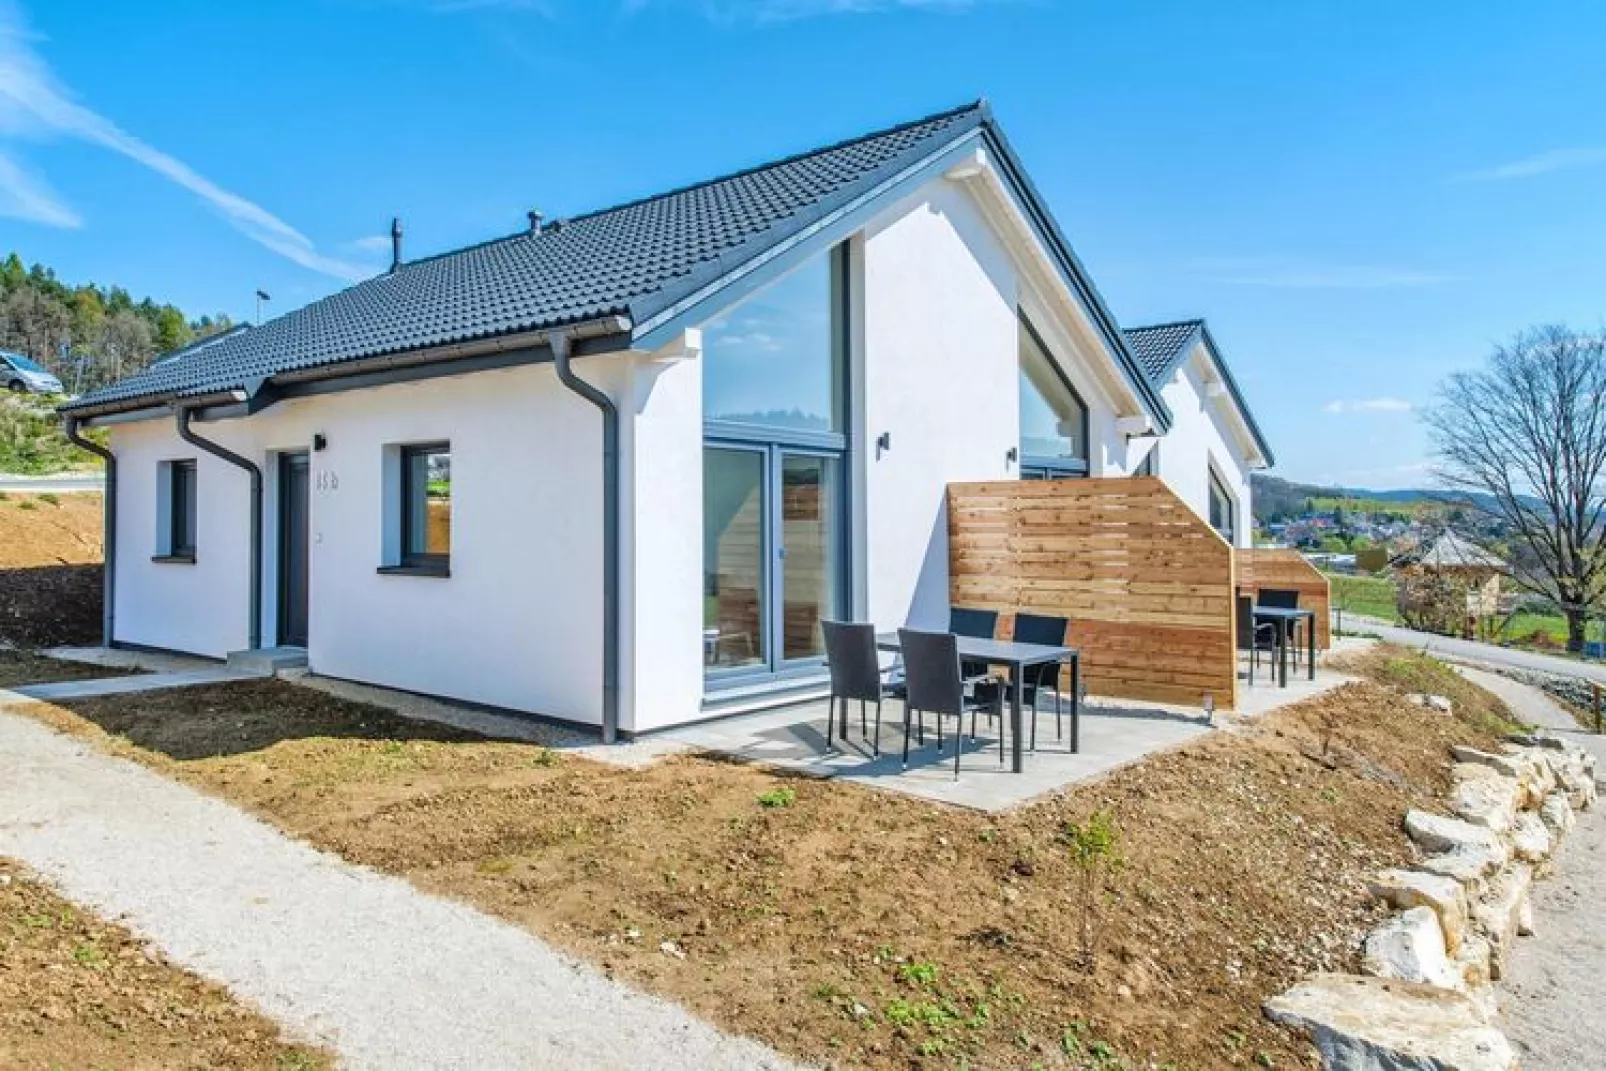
[1237,395]
[444,358]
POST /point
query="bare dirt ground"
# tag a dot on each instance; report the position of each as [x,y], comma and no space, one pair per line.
[24,667]
[50,569]
[77,992]
[857,929]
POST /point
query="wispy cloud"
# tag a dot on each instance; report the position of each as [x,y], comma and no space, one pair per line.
[1291,274]
[27,197]
[34,104]
[1385,404]
[772,11]
[371,243]
[1541,164]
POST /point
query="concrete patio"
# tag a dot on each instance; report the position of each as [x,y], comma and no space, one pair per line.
[1114,733]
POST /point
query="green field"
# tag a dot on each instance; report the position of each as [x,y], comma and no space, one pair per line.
[1369,595]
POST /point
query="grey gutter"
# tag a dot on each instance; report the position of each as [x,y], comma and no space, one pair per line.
[109,518]
[594,335]
[182,416]
[561,352]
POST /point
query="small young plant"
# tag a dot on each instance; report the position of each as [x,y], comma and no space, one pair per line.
[1095,851]
[777,797]
[51,498]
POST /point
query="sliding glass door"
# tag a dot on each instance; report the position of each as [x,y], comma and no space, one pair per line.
[773,553]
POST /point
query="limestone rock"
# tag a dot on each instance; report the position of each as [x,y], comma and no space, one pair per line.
[1406,889]
[1381,1025]
[1410,947]
[1498,913]
[1483,796]
[1507,765]
[1440,703]
[1473,960]
[1538,740]
[1530,838]
[1459,849]
[1468,866]
[1557,813]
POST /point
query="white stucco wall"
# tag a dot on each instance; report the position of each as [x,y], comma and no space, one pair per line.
[1201,435]
[517,624]
[940,353]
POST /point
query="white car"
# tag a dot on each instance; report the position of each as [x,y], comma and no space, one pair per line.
[21,375]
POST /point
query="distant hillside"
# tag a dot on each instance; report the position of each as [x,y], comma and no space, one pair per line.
[1277,499]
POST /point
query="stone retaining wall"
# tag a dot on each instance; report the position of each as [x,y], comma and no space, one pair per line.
[1424,999]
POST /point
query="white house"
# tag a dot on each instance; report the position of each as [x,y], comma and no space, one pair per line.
[616,469]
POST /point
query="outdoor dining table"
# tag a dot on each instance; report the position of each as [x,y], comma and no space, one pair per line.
[1286,618]
[1018,657]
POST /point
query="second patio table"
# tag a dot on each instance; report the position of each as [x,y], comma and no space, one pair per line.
[1018,657]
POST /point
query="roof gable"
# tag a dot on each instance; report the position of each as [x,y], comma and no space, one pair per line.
[1161,348]
[648,261]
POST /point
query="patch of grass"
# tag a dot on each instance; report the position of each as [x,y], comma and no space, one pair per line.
[777,797]
[27,503]
[1412,671]
[1369,595]
[50,497]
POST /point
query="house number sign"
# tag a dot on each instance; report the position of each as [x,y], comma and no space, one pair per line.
[328,480]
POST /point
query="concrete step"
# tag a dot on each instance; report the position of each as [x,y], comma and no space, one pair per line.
[268,661]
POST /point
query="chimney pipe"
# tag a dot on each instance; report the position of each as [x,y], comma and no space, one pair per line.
[395,243]
[535,221]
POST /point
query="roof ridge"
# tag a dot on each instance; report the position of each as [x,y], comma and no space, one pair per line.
[978,105]
[1194,321]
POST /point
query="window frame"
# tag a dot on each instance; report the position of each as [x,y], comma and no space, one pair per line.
[412,562]
[179,531]
[1217,488]
[1038,466]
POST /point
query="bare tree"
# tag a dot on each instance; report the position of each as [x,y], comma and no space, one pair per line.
[1528,431]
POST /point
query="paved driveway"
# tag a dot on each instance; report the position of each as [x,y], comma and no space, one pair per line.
[1473,651]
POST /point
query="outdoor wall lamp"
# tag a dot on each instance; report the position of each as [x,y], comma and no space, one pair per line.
[1012,456]
[883,444]
[318,441]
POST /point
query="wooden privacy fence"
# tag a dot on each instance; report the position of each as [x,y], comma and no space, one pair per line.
[1147,584]
[1285,569]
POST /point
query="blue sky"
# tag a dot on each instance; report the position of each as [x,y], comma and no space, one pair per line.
[1361,197]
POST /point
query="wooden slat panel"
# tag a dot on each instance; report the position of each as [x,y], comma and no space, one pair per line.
[1147,584]
[1286,569]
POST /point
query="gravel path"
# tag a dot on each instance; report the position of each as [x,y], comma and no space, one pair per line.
[1555,986]
[386,975]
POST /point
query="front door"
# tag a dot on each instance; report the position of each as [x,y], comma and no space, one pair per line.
[772,558]
[294,488]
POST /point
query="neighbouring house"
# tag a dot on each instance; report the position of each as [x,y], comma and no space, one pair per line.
[615,469]
[1450,585]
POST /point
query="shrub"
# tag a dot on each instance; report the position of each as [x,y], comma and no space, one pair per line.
[777,797]
[1095,852]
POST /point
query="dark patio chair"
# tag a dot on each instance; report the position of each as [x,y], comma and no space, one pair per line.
[978,624]
[1048,632]
[979,676]
[1252,637]
[931,673]
[850,653]
[1283,599]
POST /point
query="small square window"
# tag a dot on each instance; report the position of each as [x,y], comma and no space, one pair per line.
[426,501]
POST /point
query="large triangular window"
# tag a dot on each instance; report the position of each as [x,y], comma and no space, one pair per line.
[1053,419]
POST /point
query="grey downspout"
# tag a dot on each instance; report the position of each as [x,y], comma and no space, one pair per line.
[183,416]
[561,350]
[108,620]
